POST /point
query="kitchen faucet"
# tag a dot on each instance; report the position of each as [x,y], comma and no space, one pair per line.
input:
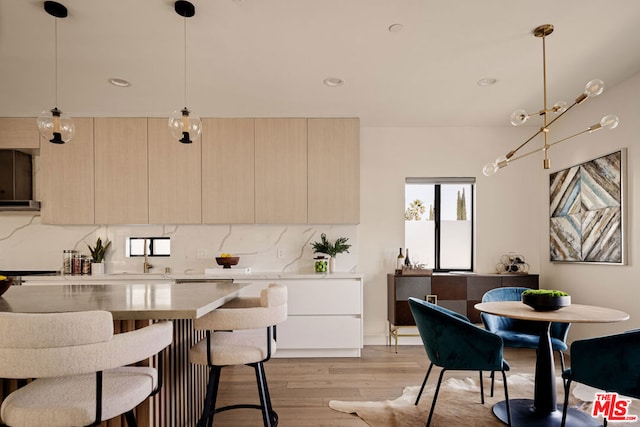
[146,266]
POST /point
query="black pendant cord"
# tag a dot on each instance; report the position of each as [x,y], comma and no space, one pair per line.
[55,68]
[185,61]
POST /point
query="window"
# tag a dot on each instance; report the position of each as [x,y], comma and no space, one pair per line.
[156,246]
[439,222]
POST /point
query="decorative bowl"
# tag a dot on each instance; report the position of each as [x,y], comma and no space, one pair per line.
[546,302]
[227,262]
[4,285]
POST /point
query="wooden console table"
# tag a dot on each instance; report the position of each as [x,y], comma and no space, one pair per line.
[457,292]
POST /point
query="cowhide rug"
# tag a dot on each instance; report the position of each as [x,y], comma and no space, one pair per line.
[458,404]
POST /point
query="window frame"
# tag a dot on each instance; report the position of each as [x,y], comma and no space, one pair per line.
[437,182]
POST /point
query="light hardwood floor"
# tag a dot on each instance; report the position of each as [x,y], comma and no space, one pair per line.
[302,388]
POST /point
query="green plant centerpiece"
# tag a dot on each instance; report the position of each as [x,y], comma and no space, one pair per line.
[546,299]
[99,250]
[324,246]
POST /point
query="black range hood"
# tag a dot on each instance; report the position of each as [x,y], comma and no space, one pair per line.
[16,182]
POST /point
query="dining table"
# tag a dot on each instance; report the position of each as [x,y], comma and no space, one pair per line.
[134,305]
[543,409]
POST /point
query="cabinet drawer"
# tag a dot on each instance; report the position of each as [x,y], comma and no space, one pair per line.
[320,332]
[324,297]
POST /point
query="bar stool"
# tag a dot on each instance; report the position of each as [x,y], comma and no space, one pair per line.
[78,367]
[241,332]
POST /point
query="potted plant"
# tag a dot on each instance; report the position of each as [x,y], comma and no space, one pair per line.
[97,255]
[324,246]
[545,299]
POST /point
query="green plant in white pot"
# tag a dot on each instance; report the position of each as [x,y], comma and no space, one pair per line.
[97,255]
[324,246]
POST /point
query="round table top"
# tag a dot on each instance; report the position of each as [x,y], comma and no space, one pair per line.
[574,313]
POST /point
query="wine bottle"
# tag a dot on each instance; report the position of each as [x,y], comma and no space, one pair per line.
[407,261]
[400,262]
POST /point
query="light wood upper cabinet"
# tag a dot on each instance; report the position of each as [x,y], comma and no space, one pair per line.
[121,171]
[67,187]
[228,178]
[19,133]
[334,171]
[174,177]
[281,171]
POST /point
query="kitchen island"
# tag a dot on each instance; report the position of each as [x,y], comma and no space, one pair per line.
[133,306]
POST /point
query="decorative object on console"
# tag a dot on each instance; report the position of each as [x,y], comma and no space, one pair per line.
[97,256]
[512,263]
[53,124]
[5,284]
[324,246]
[586,211]
[545,299]
[185,126]
[593,88]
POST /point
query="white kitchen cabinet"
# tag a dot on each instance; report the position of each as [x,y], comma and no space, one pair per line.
[228,179]
[121,174]
[68,178]
[324,316]
[333,171]
[281,171]
[20,133]
[174,177]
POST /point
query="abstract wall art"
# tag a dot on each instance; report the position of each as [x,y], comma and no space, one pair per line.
[586,211]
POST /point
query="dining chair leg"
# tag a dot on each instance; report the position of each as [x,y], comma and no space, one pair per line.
[481,389]
[435,397]
[566,402]
[506,398]
[426,377]
[493,378]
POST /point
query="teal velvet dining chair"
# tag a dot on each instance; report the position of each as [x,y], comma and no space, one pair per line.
[454,343]
[517,333]
[609,363]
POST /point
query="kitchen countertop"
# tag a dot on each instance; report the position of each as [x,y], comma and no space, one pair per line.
[238,274]
[128,301]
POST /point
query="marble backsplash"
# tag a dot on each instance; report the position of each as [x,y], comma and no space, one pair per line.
[27,244]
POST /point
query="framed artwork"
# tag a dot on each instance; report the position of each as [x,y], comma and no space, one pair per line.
[586,209]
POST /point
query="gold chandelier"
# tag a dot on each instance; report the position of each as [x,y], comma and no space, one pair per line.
[519,117]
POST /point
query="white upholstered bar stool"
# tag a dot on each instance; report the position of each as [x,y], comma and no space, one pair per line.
[78,367]
[241,332]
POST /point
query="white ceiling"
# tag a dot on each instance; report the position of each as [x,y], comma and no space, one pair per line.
[268,58]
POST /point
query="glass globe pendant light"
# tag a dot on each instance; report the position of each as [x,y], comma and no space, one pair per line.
[54,125]
[185,126]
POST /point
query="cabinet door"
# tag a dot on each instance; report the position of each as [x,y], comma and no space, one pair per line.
[174,177]
[19,133]
[334,171]
[121,171]
[228,177]
[281,171]
[67,189]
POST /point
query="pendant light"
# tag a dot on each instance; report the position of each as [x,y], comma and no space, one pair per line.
[592,89]
[185,126]
[54,125]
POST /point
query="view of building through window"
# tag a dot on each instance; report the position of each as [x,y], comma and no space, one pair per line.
[439,222]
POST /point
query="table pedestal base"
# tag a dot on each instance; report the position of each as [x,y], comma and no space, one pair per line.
[523,415]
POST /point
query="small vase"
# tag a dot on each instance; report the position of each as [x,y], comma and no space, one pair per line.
[332,265]
[97,268]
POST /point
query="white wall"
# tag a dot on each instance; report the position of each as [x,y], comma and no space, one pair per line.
[512,206]
[608,285]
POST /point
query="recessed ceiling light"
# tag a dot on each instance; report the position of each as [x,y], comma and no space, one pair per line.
[119,82]
[333,81]
[487,81]
[395,28]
